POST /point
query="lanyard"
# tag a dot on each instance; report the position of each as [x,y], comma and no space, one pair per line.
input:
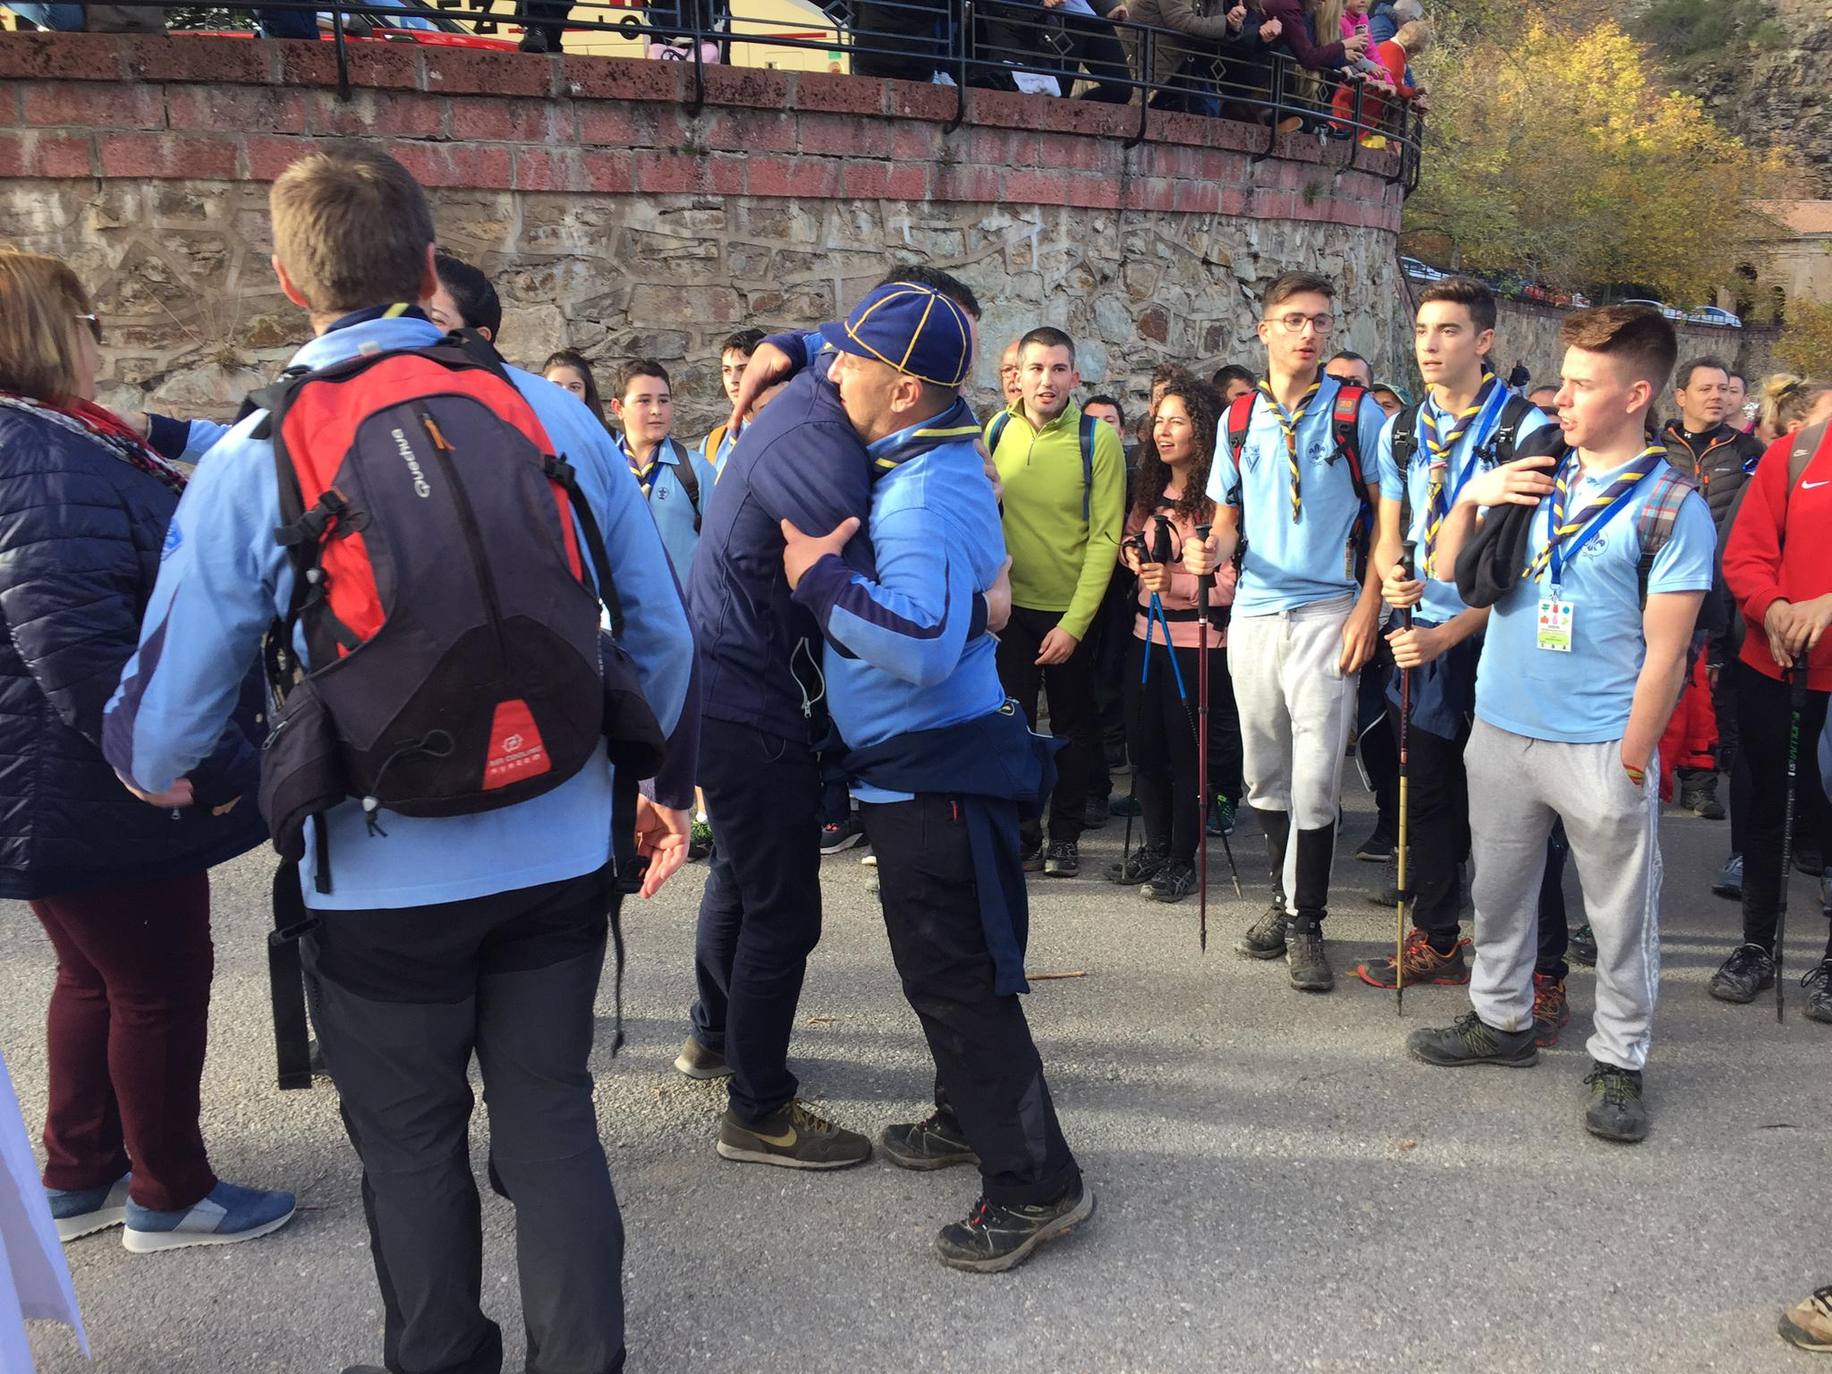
[1586,523]
[1289,424]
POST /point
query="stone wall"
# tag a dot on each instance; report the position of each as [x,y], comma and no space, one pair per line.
[1529,334]
[617,219]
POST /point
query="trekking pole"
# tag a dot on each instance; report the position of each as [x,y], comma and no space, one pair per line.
[1132,789]
[1796,679]
[1204,585]
[1405,731]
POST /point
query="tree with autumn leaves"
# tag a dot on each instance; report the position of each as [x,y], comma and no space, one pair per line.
[1554,153]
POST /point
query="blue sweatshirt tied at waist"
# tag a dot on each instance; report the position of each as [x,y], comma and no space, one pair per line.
[994,759]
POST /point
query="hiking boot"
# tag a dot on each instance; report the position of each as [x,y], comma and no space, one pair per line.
[1423,965]
[84,1211]
[1471,1041]
[696,1061]
[1729,884]
[1173,882]
[1304,957]
[1033,859]
[868,860]
[223,1216]
[1699,796]
[1808,859]
[1062,860]
[1387,894]
[935,1142]
[1138,867]
[1094,816]
[1551,1010]
[841,836]
[1808,1324]
[1582,947]
[699,841]
[792,1137]
[1124,806]
[995,1238]
[1221,817]
[1747,971]
[1818,985]
[1265,938]
[1378,847]
[1615,1110]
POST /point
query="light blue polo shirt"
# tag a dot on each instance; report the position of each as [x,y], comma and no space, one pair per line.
[1441,603]
[1583,697]
[668,503]
[1294,564]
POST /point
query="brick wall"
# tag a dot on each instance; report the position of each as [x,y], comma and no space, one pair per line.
[613,217]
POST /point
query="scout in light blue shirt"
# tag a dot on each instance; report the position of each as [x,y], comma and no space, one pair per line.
[677,484]
[1584,696]
[1291,563]
[1474,450]
[223,579]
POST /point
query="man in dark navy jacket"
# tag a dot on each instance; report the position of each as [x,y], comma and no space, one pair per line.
[764,714]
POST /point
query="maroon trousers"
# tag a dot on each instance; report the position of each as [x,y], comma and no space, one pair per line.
[129,1019]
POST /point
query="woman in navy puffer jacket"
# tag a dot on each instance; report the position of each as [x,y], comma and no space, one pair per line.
[121,886]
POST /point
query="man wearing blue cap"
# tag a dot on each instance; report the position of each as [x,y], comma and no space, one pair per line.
[942,763]
[763,704]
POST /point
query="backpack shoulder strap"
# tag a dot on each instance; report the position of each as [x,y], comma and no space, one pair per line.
[714,441]
[689,480]
[1406,437]
[1240,419]
[1087,463]
[1345,431]
[1807,442]
[1514,412]
[996,429]
[1654,521]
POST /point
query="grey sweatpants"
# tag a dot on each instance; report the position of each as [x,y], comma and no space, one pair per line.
[1296,709]
[1516,787]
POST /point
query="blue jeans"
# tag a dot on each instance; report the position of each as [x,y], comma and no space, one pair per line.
[57,18]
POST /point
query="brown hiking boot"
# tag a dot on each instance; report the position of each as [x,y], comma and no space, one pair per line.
[1423,965]
[1551,1012]
[1809,1323]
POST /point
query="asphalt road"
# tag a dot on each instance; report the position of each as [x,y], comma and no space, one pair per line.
[1280,1187]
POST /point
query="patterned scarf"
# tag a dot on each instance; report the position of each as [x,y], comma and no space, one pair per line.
[1289,424]
[105,428]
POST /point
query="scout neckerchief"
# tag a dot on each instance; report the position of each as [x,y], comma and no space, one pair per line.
[643,472]
[1289,422]
[1565,537]
[1439,498]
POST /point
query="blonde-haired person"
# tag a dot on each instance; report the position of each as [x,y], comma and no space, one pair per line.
[1789,403]
[120,887]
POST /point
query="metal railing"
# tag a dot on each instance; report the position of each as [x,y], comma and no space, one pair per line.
[974,44]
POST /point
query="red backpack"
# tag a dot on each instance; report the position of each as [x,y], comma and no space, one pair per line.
[456,659]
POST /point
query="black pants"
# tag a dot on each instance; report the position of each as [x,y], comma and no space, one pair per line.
[760,916]
[1096,48]
[1765,717]
[987,1072]
[1073,715]
[1437,839]
[1165,760]
[1109,639]
[401,1000]
[1376,745]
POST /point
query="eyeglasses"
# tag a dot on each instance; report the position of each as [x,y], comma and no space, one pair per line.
[95,327]
[1294,323]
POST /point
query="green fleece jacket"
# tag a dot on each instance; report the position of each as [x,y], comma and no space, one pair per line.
[1059,561]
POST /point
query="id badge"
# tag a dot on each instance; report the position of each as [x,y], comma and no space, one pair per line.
[1557,621]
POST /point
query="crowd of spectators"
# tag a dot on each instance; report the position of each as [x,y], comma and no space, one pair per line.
[1332,66]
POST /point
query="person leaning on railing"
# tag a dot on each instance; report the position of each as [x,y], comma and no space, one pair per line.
[1184,75]
[1299,41]
[1061,38]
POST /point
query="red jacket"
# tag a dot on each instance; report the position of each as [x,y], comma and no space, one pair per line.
[1780,548]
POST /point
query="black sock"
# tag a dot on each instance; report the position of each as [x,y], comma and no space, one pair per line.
[1442,941]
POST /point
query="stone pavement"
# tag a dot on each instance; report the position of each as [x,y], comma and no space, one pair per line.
[1280,1187]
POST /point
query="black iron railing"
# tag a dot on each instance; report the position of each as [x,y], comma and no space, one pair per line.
[996,44]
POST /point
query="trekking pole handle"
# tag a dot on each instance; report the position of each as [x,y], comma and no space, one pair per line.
[1797,682]
[1407,561]
[1206,583]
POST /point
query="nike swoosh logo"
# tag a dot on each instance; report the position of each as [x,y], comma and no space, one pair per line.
[781,1142]
[1808,486]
